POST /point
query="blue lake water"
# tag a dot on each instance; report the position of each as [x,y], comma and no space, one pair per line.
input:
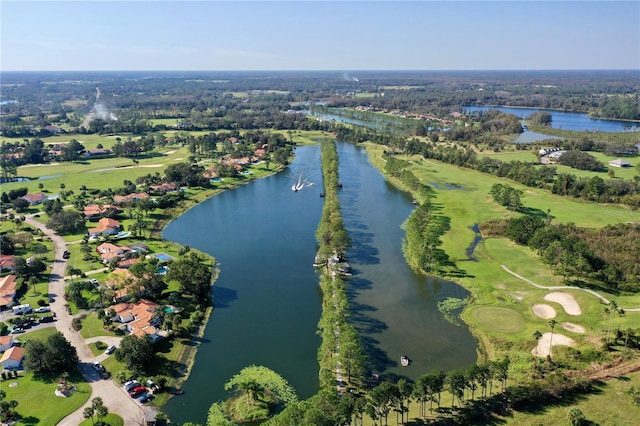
[267,298]
[567,120]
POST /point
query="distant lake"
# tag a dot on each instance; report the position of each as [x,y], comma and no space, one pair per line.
[567,120]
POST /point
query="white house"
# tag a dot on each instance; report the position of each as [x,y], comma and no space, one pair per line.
[12,358]
[619,162]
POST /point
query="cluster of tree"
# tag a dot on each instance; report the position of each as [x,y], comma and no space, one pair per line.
[194,276]
[593,189]
[67,222]
[580,160]
[136,353]
[609,255]
[542,118]
[507,196]
[185,174]
[424,227]
[7,407]
[51,357]
[96,409]
[331,233]
[341,349]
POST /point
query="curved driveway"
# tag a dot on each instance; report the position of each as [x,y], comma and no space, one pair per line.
[113,396]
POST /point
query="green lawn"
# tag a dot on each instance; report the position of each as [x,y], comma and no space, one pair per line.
[111,420]
[498,296]
[37,402]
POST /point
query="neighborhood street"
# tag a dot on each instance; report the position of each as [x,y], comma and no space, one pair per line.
[113,396]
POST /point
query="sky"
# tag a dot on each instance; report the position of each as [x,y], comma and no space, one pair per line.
[318,35]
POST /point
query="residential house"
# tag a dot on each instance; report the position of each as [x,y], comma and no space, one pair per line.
[126,263]
[6,342]
[106,226]
[619,162]
[164,187]
[138,318]
[92,211]
[96,152]
[8,286]
[37,198]
[131,198]
[109,251]
[12,358]
[7,262]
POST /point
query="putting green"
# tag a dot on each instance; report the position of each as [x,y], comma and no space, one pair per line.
[500,319]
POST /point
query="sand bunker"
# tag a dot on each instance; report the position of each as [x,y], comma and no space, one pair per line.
[574,328]
[542,350]
[567,301]
[544,311]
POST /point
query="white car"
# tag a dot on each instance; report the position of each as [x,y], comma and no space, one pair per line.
[42,309]
[111,349]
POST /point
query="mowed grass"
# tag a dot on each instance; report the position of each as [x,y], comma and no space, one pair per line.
[95,173]
[529,156]
[495,292]
[111,420]
[38,403]
[501,319]
[610,405]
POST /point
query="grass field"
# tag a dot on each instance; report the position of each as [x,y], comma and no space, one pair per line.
[500,314]
[530,157]
[38,402]
[498,296]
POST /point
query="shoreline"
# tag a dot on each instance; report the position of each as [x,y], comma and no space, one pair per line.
[188,354]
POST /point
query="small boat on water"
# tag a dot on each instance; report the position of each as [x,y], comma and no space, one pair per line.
[405,361]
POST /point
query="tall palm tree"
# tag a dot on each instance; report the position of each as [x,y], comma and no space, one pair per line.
[537,335]
[552,324]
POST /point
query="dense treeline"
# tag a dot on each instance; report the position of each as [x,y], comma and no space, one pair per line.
[208,101]
[593,189]
[424,227]
[609,255]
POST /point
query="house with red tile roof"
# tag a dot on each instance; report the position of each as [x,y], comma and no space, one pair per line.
[131,198]
[164,187]
[138,318]
[8,286]
[92,211]
[106,226]
[35,199]
[6,342]
[7,262]
[108,251]
[12,358]
[126,263]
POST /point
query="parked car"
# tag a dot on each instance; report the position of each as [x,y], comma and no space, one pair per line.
[66,255]
[137,391]
[17,330]
[111,349]
[48,318]
[130,385]
[93,281]
[42,309]
[144,397]
[97,366]
[51,299]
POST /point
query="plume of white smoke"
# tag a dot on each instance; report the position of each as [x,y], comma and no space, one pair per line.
[348,77]
[99,112]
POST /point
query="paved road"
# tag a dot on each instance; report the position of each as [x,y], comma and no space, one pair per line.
[113,396]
